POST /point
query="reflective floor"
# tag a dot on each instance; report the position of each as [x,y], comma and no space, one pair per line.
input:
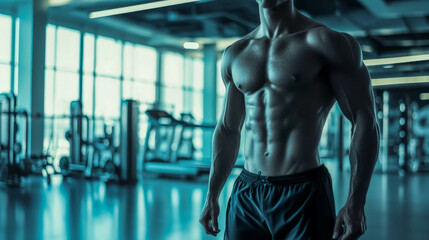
[160,209]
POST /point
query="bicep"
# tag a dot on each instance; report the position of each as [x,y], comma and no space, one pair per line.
[233,114]
[353,92]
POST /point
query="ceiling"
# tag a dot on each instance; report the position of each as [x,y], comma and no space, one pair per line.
[384,28]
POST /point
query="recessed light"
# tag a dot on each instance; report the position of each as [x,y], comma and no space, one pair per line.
[191,45]
[424,96]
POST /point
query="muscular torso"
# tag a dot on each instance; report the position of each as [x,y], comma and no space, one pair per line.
[287,100]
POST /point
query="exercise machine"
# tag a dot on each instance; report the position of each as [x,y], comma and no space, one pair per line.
[88,158]
[169,148]
[16,161]
[11,172]
[76,164]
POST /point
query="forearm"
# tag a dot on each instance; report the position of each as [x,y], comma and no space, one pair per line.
[363,156]
[226,146]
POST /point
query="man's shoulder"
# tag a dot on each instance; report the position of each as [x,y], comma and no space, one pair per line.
[230,53]
[335,46]
[234,49]
[327,37]
[238,45]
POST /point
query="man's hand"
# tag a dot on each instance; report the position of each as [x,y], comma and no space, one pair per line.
[350,223]
[209,217]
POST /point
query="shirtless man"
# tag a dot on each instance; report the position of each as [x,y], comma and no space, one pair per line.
[282,81]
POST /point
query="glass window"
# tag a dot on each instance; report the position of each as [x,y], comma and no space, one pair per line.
[68,45]
[144,92]
[173,81]
[88,92]
[145,64]
[66,91]
[198,74]
[88,53]
[4,78]
[198,106]
[109,57]
[187,101]
[128,60]
[173,70]
[6,38]
[127,89]
[49,92]
[5,52]
[173,98]
[140,66]
[61,85]
[107,97]
[15,90]
[198,83]
[189,72]
[50,45]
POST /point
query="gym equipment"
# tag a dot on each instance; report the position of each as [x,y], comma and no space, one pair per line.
[12,169]
[76,164]
[165,140]
[85,165]
[105,146]
[419,142]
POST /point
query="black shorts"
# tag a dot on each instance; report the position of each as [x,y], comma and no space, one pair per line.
[293,207]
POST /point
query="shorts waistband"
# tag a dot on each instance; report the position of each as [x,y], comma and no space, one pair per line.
[249,177]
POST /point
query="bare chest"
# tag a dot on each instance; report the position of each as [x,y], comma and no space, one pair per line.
[282,65]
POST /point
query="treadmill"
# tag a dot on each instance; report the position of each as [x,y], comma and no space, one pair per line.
[165,146]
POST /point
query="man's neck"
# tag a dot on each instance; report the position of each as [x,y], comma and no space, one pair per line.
[279,20]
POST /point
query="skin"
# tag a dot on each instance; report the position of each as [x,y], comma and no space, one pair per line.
[282,81]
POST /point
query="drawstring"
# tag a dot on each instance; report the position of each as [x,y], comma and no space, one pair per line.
[261,179]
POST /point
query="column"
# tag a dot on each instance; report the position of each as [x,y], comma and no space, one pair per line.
[209,98]
[31,82]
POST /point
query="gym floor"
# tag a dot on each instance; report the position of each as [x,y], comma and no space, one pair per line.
[169,209]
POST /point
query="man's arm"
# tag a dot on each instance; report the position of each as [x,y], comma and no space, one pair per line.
[226,145]
[351,85]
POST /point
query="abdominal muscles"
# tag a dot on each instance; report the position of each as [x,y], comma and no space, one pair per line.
[282,131]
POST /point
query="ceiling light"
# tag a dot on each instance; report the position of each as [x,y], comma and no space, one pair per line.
[56,3]
[400,81]
[139,7]
[191,45]
[388,66]
[396,60]
[424,96]
[367,48]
